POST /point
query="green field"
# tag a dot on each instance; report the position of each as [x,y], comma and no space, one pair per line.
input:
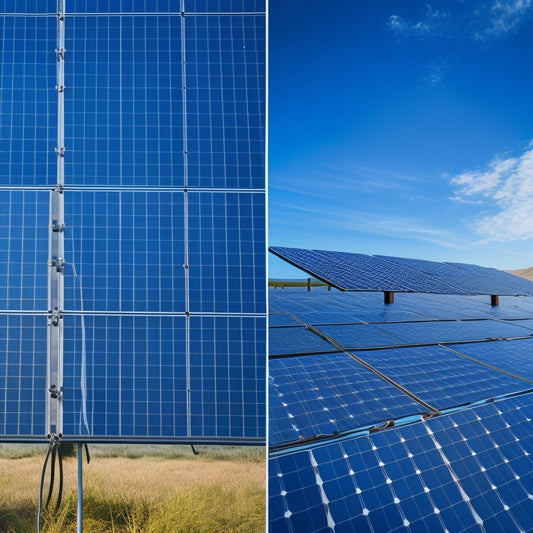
[140,489]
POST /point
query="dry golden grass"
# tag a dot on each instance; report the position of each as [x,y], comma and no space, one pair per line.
[148,495]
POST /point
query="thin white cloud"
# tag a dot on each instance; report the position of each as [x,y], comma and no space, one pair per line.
[428,25]
[505,16]
[505,186]
[435,73]
[363,222]
[476,19]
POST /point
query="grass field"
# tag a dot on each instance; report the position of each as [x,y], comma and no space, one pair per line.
[140,489]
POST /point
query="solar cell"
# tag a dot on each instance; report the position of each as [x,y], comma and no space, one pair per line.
[132,219]
[466,469]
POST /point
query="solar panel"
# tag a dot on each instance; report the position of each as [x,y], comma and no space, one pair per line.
[327,393]
[296,340]
[433,435]
[463,472]
[513,357]
[440,377]
[357,272]
[132,219]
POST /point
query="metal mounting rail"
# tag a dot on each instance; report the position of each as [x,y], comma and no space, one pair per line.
[56,261]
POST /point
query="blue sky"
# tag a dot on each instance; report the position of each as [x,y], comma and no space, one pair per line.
[402,128]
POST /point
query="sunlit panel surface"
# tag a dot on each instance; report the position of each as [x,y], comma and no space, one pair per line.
[132,220]
[410,421]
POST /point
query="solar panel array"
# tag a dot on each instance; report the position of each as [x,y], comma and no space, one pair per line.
[358,272]
[410,420]
[132,220]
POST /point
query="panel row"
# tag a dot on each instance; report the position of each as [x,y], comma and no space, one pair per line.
[321,306]
[301,340]
[129,6]
[129,376]
[144,104]
[470,471]
[125,251]
[358,272]
[327,393]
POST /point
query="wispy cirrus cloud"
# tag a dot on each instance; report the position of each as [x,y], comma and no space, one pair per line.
[506,186]
[504,16]
[476,19]
[427,26]
[350,221]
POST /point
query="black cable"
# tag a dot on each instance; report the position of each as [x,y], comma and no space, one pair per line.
[60,462]
[194,450]
[87,453]
[52,473]
[39,506]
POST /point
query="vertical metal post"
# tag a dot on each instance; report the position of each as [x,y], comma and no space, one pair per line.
[186,219]
[56,261]
[80,487]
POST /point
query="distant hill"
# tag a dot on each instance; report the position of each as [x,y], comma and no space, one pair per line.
[523,273]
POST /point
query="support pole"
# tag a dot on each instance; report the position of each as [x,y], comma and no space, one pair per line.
[80,488]
[388,297]
[56,261]
[308,284]
[494,300]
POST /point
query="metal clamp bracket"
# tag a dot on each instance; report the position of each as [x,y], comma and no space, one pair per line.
[58,263]
[54,316]
[57,227]
[55,392]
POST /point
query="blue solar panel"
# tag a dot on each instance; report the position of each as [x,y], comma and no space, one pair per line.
[323,307]
[296,340]
[357,272]
[510,356]
[360,336]
[440,377]
[132,219]
[282,320]
[22,374]
[452,331]
[325,393]
[486,278]
[462,472]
